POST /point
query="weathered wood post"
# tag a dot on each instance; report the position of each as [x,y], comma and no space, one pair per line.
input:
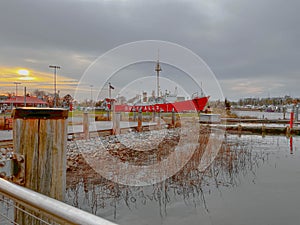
[40,134]
[85,124]
[292,119]
[153,116]
[239,128]
[134,114]
[291,144]
[263,130]
[284,112]
[158,117]
[108,115]
[116,123]
[140,118]
[173,118]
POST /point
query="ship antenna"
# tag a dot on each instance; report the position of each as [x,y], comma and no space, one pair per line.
[157,69]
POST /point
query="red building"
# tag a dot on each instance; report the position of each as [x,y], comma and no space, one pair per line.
[19,101]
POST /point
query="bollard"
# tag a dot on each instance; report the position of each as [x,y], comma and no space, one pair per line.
[116,123]
[297,113]
[85,124]
[40,134]
[140,118]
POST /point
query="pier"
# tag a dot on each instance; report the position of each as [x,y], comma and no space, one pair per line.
[260,129]
[233,125]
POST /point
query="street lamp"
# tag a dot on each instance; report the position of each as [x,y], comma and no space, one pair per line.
[16,83]
[55,68]
[91,86]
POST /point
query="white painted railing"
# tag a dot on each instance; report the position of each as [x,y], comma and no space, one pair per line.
[55,211]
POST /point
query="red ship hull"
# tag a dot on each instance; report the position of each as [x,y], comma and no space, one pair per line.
[196,104]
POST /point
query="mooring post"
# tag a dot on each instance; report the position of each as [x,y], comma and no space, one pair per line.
[108,115]
[239,128]
[158,118]
[40,135]
[140,118]
[173,118]
[263,129]
[288,131]
[134,114]
[153,116]
[85,124]
[284,112]
[291,119]
[297,113]
[116,123]
[291,144]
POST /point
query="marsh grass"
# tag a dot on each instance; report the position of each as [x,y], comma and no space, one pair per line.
[86,188]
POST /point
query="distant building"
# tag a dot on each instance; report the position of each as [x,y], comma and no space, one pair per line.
[18,101]
[3,97]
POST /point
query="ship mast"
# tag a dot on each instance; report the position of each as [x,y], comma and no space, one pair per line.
[157,69]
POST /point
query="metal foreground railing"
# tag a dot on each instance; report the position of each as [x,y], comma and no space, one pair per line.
[40,208]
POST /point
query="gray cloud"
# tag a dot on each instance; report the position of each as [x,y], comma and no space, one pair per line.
[239,40]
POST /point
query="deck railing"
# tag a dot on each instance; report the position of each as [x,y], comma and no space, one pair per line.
[41,208]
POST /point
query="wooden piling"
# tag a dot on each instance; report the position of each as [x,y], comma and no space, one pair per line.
[40,134]
[140,119]
[173,118]
[263,129]
[85,124]
[134,115]
[240,128]
[108,115]
[288,131]
[153,116]
[158,118]
[291,120]
[116,123]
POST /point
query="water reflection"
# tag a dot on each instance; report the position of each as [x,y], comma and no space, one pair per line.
[291,145]
[87,190]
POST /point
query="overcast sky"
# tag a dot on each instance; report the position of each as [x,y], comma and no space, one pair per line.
[252,47]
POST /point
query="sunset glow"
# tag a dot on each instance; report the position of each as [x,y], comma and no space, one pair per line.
[26,78]
[32,80]
[23,72]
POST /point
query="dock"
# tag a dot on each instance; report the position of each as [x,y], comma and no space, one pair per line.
[261,129]
[231,125]
[99,128]
[263,121]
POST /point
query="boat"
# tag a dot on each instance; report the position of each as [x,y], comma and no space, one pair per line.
[161,103]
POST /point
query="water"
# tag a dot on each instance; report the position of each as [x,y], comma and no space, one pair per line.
[255,180]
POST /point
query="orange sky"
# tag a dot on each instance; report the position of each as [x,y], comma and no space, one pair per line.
[34,80]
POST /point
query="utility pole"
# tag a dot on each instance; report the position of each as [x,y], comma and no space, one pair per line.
[91,86]
[25,96]
[112,107]
[157,69]
[55,68]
